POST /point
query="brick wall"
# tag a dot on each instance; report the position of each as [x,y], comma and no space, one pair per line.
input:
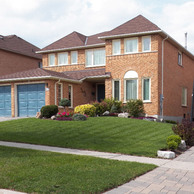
[12,62]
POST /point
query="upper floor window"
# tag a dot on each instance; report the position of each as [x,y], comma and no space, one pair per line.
[73,57]
[131,45]
[146,43]
[116,47]
[179,58]
[95,57]
[51,59]
[63,58]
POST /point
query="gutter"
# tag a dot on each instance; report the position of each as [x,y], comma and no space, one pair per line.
[71,48]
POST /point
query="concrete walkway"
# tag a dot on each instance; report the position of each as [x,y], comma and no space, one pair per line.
[172,176]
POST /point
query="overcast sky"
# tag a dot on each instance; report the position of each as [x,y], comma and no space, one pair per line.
[42,22]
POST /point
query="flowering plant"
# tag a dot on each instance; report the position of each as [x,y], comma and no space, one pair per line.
[64,114]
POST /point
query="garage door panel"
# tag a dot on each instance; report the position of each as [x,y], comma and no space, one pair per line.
[22,96]
[5,101]
[32,112]
[2,105]
[41,95]
[7,105]
[32,104]
[33,95]
[23,104]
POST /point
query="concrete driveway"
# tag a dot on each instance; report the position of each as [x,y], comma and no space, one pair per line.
[9,118]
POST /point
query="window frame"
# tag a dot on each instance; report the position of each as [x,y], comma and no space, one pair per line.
[49,60]
[150,47]
[92,50]
[72,52]
[125,89]
[184,92]
[180,62]
[117,40]
[113,87]
[71,93]
[145,78]
[66,53]
[56,92]
[128,39]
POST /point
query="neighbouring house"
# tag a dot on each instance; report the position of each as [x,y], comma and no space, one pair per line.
[136,60]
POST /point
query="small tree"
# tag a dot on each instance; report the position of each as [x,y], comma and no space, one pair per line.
[135,107]
[65,102]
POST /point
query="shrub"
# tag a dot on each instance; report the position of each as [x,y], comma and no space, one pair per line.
[113,109]
[172,145]
[100,107]
[49,110]
[110,102]
[64,102]
[185,131]
[79,117]
[135,107]
[87,109]
[175,138]
[171,122]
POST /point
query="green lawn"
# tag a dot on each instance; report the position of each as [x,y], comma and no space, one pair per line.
[44,172]
[109,134]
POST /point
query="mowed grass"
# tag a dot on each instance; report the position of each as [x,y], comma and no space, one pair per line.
[108,134]
[44,172]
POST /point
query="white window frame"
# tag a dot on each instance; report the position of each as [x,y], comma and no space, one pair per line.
[184,89]
[115,41]
[73,52]
[49,60]
[71,95]
[64,53]
[181,58]
[144,37]
[92,65]
[149,89]
[113,91]
[125,89]
[56,90]
[125,40]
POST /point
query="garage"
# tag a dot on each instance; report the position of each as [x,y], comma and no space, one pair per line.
[5,101]
[30,97]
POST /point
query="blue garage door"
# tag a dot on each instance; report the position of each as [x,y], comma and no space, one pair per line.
[31,98]
[5,101]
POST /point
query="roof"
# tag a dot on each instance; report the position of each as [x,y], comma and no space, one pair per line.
[76,40]
[16,44]
[71,76]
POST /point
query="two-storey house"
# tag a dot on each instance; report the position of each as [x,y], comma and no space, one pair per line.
[136,60]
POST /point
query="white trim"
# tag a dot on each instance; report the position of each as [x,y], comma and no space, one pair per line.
[130,34]
[98,76]
[150,48]
[56,91]
[149,89]
[95,66]
[113,92]
[72,48]
[117,40]
[71,95]
[126,39]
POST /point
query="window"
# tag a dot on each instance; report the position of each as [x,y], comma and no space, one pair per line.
[116,47]
[146,89]
[62,58]
[131,45]
[180,58]
[116,89]
[95,57]
[146,43]
[70,95]
[59,93]
[184,96]
[51,59]
[73,57]
[130,85]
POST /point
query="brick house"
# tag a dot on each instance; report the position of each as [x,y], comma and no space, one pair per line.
[136,60]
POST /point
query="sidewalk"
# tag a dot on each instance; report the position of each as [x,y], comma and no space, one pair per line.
[172,176]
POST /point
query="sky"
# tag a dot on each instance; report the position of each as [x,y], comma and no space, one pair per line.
[42,22]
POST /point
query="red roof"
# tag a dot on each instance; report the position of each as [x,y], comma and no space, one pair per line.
[16,44]
[75,39]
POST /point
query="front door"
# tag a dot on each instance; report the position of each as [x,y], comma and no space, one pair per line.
[100,92]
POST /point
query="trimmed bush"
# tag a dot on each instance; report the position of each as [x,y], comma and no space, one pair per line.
[175,138]
[87,109]
[110,102]
[113,109]
[101,107]
[64,102]
[49,110]
[79,117]
[172,145]
[135,107]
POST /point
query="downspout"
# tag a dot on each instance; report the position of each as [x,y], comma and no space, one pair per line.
[56,91]
[162,89]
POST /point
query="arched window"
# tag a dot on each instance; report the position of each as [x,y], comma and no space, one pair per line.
[131,85]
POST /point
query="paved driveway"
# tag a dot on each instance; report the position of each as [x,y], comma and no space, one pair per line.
[9,118]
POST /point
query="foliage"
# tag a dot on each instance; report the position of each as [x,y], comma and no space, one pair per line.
[172,145]
[79,117]
[49,110]
[175,138]
[135,107]
[185,131]
[64,114]
[101,107]
[65,102]
[124,108]
[87,109]
[110,102]
[113,109]
[171,121]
